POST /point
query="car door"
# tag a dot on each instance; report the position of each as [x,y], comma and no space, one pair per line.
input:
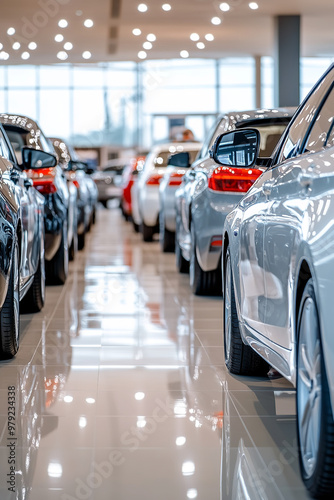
[293,187]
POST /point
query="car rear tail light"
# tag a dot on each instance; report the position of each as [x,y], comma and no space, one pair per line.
[154,180]
[76,183]
[216,243]
[175,179]
[45,186]
[233,179]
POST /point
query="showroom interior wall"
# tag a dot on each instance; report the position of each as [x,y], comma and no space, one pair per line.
[113,103]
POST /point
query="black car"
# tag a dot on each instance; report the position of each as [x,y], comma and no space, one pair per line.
[22,266]
[59,210]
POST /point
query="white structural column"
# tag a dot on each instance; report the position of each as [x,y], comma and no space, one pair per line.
[287,60]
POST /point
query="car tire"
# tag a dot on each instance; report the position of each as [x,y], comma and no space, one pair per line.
[147,232]
[167,238]
[10,312]
[240,358]
[57,268]
[315,425]
[203,282]
[136,227]
[34,299]
[81,240]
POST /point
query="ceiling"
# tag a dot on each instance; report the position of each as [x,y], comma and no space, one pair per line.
[242,31]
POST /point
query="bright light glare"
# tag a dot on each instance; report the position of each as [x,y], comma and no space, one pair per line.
[88,23]
[188,468]
[139,396]
[209,37]
[147,45]
[16,45]
[25,55]
[136,31]
[166,7]
[151,37]
[68,46]
[142,7]
[68,399]
[192,493]
[59,38]
[32,46]
[11,31]
[62,55]
[216,21]
[194,37]
[142,54]
[180,441]
[200,45]
[184,54]
[90,401]
[63,23]
[253,5]
[55,470]
[86,54]
[224,7]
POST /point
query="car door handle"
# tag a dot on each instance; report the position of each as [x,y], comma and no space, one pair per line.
[14,175]
[28,183]
[267,187]
[305,180]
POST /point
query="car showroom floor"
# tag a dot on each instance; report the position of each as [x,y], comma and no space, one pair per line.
[121,391]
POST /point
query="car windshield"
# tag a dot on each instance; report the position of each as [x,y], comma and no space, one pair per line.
[20,137]
[270,130]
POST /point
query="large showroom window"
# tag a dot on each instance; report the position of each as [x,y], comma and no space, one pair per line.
[121,103]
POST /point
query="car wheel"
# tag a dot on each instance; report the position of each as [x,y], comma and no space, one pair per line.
[240,359]
[57,268]
[147,232]
[167,238]
[315,426]
[203,282]
[34,299]
[9,315]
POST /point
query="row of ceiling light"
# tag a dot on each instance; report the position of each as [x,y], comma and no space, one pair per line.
[216,21]
[61,54]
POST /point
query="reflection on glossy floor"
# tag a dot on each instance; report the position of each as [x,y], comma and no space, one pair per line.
[121,391]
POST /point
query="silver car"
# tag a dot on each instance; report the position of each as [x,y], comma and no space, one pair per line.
[278,268]
[177,167]
[209,192]
[108,180]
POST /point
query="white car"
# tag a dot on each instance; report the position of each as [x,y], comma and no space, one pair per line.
[146,204]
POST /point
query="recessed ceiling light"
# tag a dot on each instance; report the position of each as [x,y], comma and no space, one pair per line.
[194,37]
[209,37]
[184,54]
[166,7]
[59,38]
[136,32]
[142,54]
[68,46]
[253,5]
[151,37]
[78,12]
[216,20]
[16,45]
[62,55]
[224,7]
[147,45]
[200,45]
[25,55]
[11,31]
[86,54]
[89,23]
[142,7]
[4,56]
[62,23]
[32,46]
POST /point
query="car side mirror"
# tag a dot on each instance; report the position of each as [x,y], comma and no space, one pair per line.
[35,158]
[239,148]
[181,160]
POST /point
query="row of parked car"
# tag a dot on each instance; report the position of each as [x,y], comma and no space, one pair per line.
[251,218]
[47,205]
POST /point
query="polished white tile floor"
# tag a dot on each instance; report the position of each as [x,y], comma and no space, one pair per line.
[122,393]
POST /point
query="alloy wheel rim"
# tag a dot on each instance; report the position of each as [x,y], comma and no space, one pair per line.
[227,309]
[309,394]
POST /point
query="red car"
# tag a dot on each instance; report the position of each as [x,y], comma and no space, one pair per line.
[128,179]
